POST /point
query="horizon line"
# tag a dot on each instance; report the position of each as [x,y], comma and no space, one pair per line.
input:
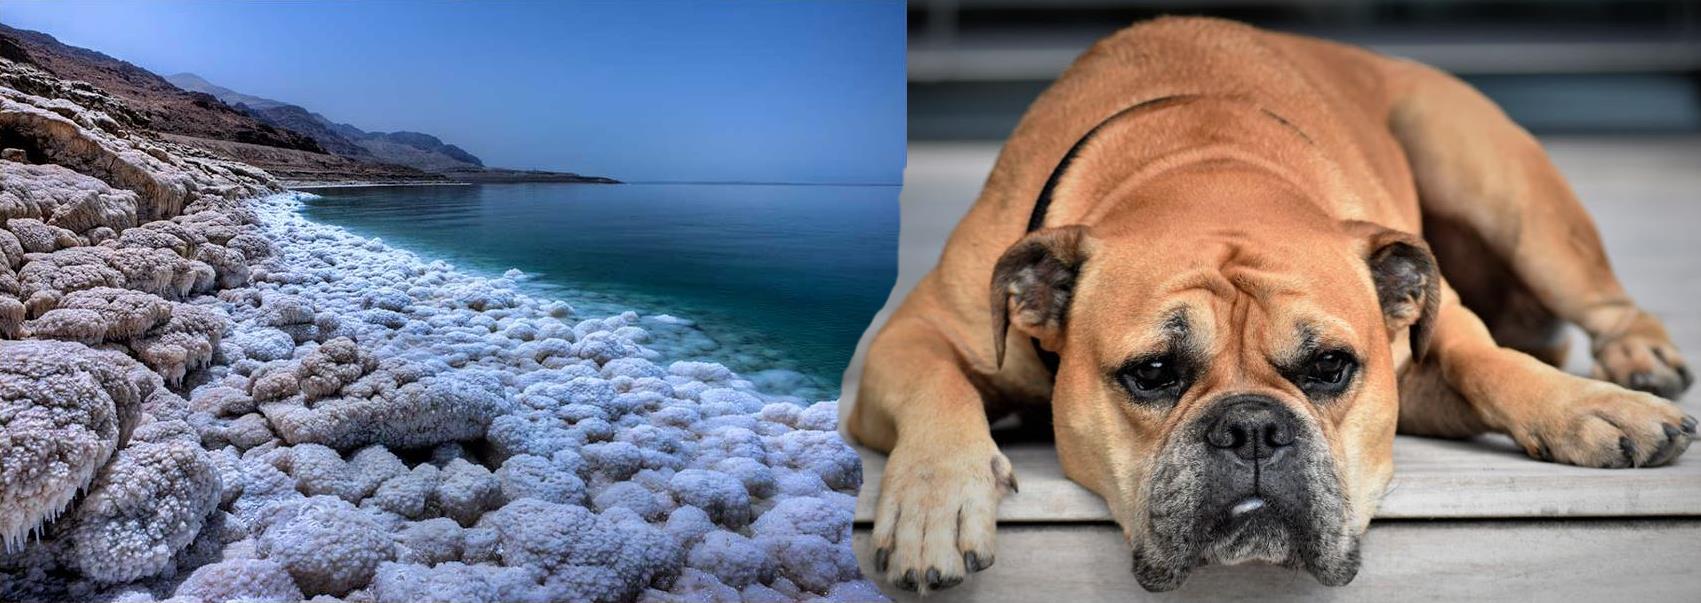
[762,183]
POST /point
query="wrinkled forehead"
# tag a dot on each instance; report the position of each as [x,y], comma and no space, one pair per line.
[1141,295]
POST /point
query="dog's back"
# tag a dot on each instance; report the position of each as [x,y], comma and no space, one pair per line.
[1336,95]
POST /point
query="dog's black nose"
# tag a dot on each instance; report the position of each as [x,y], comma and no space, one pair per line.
[1251,427]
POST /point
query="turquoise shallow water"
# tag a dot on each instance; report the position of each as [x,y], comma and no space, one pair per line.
[777,276]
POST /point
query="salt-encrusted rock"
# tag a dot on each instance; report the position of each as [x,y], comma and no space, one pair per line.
[146,505]
[11,249]
[388,407]
[825,454]
[527,476]
[453,581]
[64,410]
[815,563]
[855,590]
[230,266]
[260,580]
[429,542]
[264,344]
[614,460]
[465,491]
[633,497]
[63,198]
[35,236]
[694,585]
[688,525]
[158,271]
[326,544]
[408,494]
[331,366]
[185,342]
[291,315]
[719,494]
[733,559]
[758,479]
[65,324]
[119,314]
[222,401]
[248,431]
[586,557]
[11,316]
[811,538]
[805,515]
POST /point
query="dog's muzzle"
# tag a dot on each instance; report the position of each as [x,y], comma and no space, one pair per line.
[1249,480]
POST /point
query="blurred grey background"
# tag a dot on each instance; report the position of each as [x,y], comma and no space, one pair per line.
[1558,67]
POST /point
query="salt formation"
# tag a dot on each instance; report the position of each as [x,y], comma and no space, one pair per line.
[205,397]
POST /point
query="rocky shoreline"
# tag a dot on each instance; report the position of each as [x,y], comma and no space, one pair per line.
[206,397]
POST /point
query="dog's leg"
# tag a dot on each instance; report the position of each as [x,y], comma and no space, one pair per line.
[1476,169]
[1488,286]
[937,511]
[1430,407]
[1553,415]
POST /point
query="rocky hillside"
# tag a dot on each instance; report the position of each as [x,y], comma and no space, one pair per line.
[140,101]
[155,103]
[413,149]
[293,144]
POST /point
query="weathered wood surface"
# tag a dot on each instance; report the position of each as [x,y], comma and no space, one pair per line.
[1433,479]
[1579,560]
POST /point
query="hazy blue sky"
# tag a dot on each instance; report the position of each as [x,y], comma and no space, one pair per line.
[753,91]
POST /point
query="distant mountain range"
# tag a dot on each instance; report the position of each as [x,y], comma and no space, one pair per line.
[413,149]
[290,141]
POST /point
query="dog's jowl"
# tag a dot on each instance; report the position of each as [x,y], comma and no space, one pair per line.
[1232,264]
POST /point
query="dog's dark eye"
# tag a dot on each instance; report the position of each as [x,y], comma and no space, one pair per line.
[1327,373]
[1153,376]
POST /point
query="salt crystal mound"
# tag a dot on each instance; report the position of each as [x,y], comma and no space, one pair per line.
[360,423]
[599,476]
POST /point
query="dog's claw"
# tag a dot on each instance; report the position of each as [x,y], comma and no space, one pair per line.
[1642,381]
[957,491]
[1676,439]
[1689,425]
[1629,449]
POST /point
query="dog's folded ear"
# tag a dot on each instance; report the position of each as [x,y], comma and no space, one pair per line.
[1032,284]
[1407,278]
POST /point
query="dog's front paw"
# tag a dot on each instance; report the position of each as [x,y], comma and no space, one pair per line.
[1642,358]
[1609,426]
[938,510]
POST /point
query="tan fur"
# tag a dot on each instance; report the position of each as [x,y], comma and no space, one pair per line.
[1237,200]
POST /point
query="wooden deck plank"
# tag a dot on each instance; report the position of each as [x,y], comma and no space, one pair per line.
[1433,479]
[1598,560]
[1642,193]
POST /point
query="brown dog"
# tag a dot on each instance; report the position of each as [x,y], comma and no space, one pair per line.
[1201,248]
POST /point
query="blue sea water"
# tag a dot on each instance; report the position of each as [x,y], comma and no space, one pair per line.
[777,276]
